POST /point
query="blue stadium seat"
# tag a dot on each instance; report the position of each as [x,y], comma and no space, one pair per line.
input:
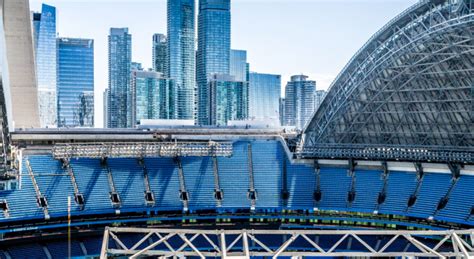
[335,184]
[433,188]
[234,177]
[367,186]
[267,157]
[164,182]
[301,183]
[129,181]
[460,201]
[199,178]
[92,182]
[400,186]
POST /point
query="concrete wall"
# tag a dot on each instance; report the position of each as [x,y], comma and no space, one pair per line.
[20,62]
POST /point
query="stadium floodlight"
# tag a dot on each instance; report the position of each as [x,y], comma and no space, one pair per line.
[141,150]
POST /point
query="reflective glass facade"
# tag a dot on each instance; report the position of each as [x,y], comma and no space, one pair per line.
[181,55]
[213,55]
[160,48]
[228,100]
[153,96]
[318,98]
[238,65]
[44,26]
[299,101]
[120,59]
[75,82]
[264,95]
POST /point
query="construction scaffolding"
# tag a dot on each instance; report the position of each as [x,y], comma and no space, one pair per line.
[141,150]
[295,243]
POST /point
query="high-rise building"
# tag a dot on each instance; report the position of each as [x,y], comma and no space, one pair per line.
[299,101]
[282,110]
[160,48]
[239,65]
[106,96]
[213,55]
[264,96]
[318,98]
[120,59]
[153,96]
[44,25]
[228,100]
[181,55]
[17,67]
[75,82]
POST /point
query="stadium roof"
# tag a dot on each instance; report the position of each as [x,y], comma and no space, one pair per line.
[408,91]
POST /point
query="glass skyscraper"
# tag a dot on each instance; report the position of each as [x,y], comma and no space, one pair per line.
[239,65]
[160,48]
[264,96]
[44,25]
[228,100]
[120,59]
[318,98]
[75,82]
[213,55]
[299,101]
[153,96]
[181,55]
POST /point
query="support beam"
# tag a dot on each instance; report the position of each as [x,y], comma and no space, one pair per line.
[252,193]
[183,194]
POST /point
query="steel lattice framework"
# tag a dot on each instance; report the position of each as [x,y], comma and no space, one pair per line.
[274,243]
[406,94]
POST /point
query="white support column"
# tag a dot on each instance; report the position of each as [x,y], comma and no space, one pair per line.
[223,246]
[105,244]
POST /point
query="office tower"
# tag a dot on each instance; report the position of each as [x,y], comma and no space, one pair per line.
[160,48]
[239,65]
[106,100]
[181,55]
[299,101]
[17,67]
[120,59]
[213,55]
[44,25]
[136,66]
[75,82]
[228,100]
[282,110]
[264,96]
[153,96]
[318,98]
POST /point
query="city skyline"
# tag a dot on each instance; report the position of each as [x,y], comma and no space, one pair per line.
[293,57]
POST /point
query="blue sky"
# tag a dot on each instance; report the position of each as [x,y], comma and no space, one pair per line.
[313,37]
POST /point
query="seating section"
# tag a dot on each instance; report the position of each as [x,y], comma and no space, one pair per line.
[164,182]
[301,184]
[92,182]
[199,179]
[460,201]
[268,170]
[128,181]
[335,184]
[53,179]
[400,185]
[234,177]
[368,185]
[267,173]
[433,188]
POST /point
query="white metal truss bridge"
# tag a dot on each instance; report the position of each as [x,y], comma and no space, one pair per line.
[296,243]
